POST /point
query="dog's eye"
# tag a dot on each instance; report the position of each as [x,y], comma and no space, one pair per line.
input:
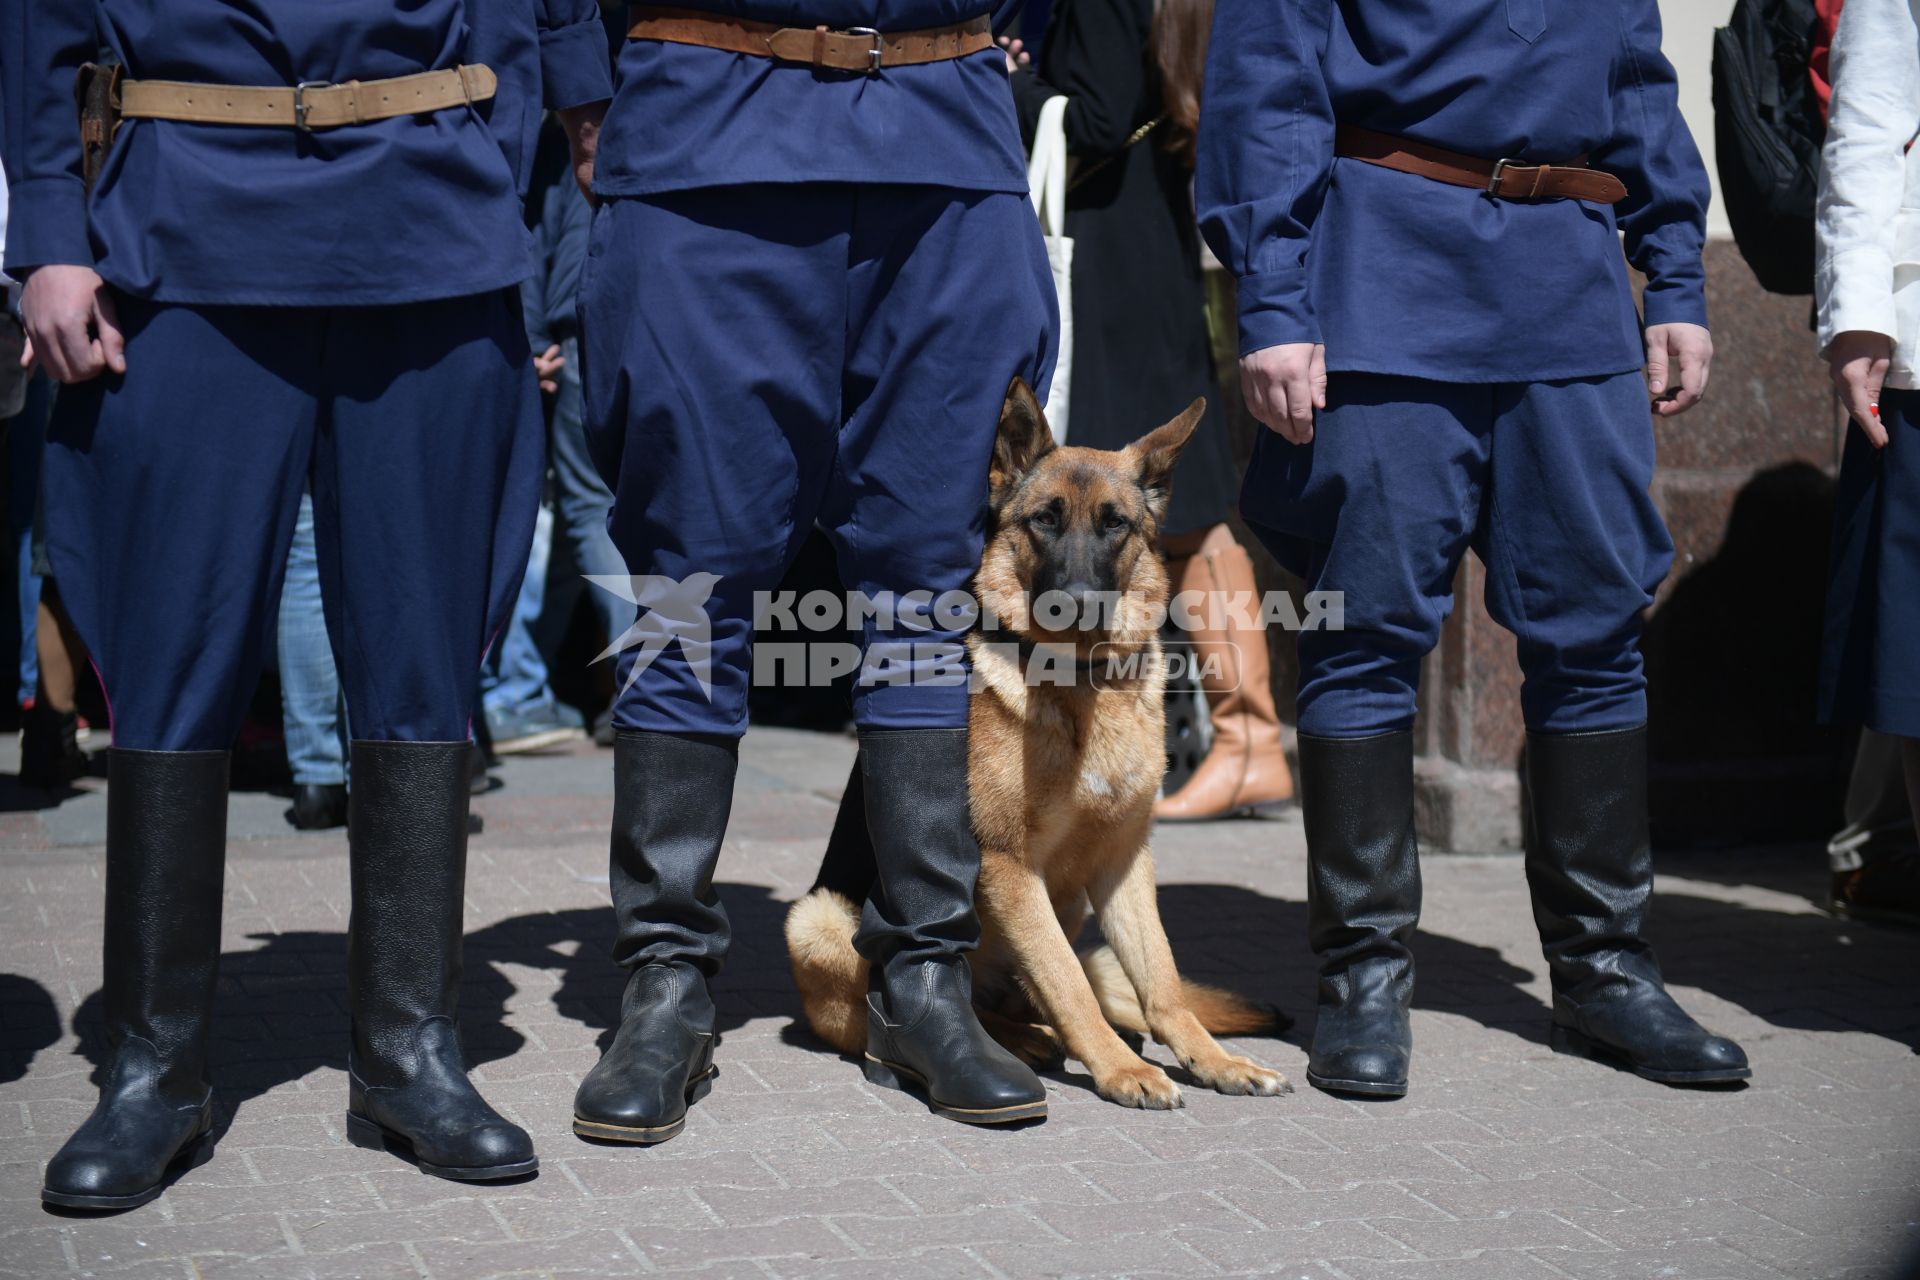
[1114,522]
[1045,518]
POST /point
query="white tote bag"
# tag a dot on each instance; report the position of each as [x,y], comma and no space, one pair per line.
[1047,180]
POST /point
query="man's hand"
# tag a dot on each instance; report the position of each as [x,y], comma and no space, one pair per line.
[1017,56]
[1859,360]
[71,326]
[1283,385]
[1677,360]
[547,366]
[583,139]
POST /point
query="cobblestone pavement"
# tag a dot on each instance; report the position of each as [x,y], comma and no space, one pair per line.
[1506,1160]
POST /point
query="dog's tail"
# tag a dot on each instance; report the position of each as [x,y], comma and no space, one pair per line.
[831,975]
[1221,1012]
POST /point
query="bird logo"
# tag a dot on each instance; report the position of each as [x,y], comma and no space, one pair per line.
[671,609]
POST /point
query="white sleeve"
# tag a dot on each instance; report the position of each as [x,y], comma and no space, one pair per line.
[1875,113]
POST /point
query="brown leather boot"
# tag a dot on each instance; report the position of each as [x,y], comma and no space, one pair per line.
[1245,772]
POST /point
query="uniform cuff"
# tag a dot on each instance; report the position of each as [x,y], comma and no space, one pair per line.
[1674,306]
[1275,309]
[575,67]
[47,225]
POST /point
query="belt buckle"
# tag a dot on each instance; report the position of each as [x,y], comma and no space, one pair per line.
[300,101]
[873,54]
[1499,172]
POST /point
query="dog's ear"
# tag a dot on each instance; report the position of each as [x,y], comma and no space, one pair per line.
[1155,453]
[1023,440]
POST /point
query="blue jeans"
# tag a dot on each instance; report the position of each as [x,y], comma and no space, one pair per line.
[515,675]
[582,502]
[26,441]
[314,709]
[568,544]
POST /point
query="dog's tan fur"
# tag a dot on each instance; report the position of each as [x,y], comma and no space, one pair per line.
[1062,782]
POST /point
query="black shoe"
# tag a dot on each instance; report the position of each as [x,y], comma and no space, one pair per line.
[671,796]
[50,754]
[407,1082]
[479,781]
[1590,869]
[659,1064]
[318,806]
[166,862]
[916,930]
[1363,900]
[1883,887]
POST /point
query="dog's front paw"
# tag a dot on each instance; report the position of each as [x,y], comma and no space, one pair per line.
[1232,1074]
[1140,1084]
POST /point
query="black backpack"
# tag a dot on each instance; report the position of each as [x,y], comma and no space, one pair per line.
[1768,129]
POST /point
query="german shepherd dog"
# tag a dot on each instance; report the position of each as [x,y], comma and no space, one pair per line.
[1062,777]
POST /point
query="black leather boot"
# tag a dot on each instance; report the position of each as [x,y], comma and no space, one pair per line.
[407,1081]
[318,806]
[166,862]
[1363,900]
[917,928]
[50,754]
[1590,868]
[672,793]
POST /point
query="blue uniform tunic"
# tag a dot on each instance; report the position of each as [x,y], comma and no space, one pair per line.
[687,117]
[399,210]
[1400,274]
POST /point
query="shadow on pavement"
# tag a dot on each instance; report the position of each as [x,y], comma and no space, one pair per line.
[1234,937]
[29,1022]
[755,983]
[1804,970]
[281,1009]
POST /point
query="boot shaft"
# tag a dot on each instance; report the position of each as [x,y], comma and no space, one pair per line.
[407,857]
[927,860]
[1363,863]
[672,794]
[166,869]
[1589,857]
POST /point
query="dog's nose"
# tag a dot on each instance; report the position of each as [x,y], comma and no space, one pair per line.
[1092,606]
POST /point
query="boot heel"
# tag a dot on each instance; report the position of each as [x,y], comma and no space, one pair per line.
[1566,1040]
[883,1075]
[362,1132]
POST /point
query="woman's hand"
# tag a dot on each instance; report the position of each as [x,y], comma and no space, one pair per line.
[1859,360]
[71,324]
[1017,56]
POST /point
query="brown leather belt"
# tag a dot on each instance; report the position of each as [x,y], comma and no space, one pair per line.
[313,105]
[855,49]
[1507,179]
